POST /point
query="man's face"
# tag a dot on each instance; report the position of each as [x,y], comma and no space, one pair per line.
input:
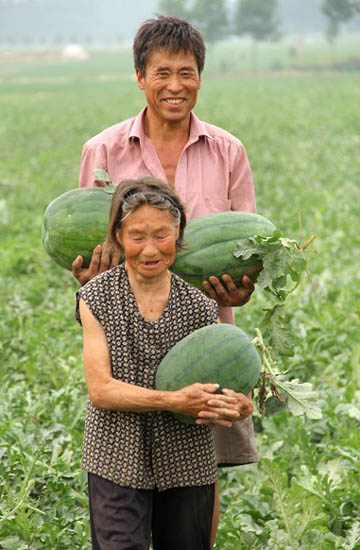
[171,85]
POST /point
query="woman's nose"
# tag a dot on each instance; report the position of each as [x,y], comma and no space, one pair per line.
[150,248]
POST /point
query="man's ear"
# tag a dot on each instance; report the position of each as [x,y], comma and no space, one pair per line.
[139,79]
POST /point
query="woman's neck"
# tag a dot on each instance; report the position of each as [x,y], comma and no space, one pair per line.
[151,285]
[151,295]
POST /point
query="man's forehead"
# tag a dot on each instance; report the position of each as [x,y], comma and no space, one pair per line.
[164,57]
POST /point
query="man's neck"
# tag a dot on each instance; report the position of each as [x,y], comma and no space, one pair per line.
[164,131]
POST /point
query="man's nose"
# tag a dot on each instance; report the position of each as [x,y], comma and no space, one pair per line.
[174,84]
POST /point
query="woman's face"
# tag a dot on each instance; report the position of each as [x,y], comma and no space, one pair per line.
[148,237]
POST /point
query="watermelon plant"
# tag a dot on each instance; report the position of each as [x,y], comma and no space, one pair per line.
[224,354]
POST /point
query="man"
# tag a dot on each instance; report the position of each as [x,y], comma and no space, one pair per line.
[206,165]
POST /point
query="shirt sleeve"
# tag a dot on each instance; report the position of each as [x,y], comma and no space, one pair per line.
[91,157]
[241,189]
[94,299]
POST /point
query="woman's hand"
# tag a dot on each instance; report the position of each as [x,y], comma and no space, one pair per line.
[244,407]
[198,400]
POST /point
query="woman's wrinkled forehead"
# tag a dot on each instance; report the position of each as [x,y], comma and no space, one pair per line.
[144,195]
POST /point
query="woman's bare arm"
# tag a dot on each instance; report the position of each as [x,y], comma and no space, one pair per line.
[106,392]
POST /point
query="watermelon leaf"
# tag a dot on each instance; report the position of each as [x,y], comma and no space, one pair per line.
[300,397]
[101,175]
[279,334]
[283,265]
[282,258]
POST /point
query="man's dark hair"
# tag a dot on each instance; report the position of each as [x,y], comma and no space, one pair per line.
[171,33]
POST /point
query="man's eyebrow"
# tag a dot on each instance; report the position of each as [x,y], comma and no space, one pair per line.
[166,68]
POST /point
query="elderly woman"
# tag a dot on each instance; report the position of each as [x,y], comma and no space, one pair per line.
[147,472]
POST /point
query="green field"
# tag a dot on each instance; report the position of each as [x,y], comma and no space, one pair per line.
[302,135]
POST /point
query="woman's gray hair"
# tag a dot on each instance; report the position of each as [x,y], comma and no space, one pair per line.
[130,194]
[163,202]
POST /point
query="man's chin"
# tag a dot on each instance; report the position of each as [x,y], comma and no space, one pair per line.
[175,118]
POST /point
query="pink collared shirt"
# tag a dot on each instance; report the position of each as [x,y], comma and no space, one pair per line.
[212,175]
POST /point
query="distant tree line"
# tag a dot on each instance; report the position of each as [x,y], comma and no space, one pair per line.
[255,18]
[338,12]
[52,23]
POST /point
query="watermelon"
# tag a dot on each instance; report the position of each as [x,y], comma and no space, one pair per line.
[209,244]
[220,354]
[75,222]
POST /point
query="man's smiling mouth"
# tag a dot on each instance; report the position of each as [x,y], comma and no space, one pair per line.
[174,101]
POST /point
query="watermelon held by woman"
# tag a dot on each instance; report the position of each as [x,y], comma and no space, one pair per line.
[221,354]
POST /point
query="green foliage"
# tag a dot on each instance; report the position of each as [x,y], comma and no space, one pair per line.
[175,8]
[337,12]
[283,265]
[282,260]
[257,19]
[211,19]
[302,138]
[340,10]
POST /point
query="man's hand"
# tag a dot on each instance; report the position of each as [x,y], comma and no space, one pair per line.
[199,399]
[227,294]
[244,406]
[103,258]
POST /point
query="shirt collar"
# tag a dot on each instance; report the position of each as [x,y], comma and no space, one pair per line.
[197,127]
[137,130]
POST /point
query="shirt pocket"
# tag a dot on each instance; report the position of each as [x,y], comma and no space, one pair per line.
[217,204]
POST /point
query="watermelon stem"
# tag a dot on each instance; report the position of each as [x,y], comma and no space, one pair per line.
[268,374]
[301,399]
[307,243]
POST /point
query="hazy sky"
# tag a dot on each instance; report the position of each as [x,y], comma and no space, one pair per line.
[114,21]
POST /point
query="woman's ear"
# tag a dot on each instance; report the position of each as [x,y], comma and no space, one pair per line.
[118,237]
